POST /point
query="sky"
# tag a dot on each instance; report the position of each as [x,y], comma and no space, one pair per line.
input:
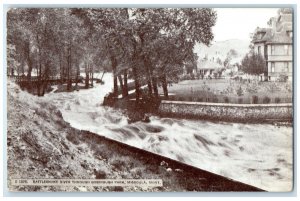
[238,23]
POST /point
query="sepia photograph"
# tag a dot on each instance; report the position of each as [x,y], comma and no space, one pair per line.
[149,99]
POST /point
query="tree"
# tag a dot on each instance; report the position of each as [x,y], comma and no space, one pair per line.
[22,26]
[232,53]
[113,27]
[149,45]
[219,61]
[171,42]
[46,40]
[253,64]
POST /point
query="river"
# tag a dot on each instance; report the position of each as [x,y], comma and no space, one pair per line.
[256,154]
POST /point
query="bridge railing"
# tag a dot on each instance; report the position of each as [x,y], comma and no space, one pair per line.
[19,79]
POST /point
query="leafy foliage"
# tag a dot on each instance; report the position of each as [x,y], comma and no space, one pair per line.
[253,64]
[149,45]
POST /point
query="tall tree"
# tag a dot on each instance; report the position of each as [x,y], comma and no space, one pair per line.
[253,64]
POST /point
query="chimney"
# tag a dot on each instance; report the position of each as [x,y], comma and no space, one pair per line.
[273,23]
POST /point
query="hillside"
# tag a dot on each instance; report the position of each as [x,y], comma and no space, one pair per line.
[219,49]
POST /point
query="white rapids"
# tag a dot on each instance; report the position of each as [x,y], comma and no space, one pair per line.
[256,154]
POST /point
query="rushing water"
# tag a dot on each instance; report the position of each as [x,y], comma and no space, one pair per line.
[256,154]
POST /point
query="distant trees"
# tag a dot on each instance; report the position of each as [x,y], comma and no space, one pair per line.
[219,61]
[192,64]
[232,53]
[253,64]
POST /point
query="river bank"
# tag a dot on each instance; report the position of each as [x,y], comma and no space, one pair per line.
[275,114]
[44,146]
[256,154]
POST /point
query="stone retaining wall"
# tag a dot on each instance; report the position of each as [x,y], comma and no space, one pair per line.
[230,112]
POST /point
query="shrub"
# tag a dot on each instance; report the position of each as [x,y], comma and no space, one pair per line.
[240,100]
[190,98]
[288,87]
[180,98]
[239,91]
[215,75]
[226,99]
[100,174]
[215,100]
[137,172]
[277,100]
[172,98]
[266,99]
[118,163]
[200,99]
[254,99]
[187,77]
[283,78]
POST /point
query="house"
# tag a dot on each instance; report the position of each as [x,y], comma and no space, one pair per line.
[275,44]
[208,68]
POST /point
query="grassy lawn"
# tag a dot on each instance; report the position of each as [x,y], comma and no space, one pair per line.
[231,91]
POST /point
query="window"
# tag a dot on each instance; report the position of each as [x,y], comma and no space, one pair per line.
[286,67]
[272,49]
[259,36]
[272,67]
[286,49]
[258,50]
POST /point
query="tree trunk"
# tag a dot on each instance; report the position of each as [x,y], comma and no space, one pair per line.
[125,87]
[44,86]
[102,76]
[61,69]
[29,62]
[39,76]
[135,74]
[69,84]
[165,85]
[155,88]
[148,76]
[92,75]
[137,85]
[44,81]
[86,76]
[40,71]
[38,87]
[121,85]
[37,70]
[114,69]
[77,73]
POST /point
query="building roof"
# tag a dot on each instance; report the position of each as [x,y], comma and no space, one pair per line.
[278,34]
[207,64]
[280,38]
[262,35]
